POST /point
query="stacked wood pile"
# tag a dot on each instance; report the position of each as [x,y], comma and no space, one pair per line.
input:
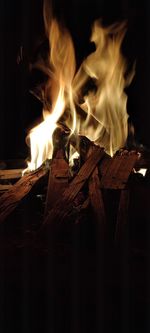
[69,189]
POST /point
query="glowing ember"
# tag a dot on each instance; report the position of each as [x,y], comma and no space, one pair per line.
[105,120]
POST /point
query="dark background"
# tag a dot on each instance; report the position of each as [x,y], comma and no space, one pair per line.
[21,24]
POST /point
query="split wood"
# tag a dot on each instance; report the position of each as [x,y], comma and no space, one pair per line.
[11,174]
[62,208]
[96,198]
[11,199]
[58,180]
[118,172]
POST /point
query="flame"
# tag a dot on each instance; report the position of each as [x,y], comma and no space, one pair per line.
[104,116]
[41,135]
[58,90]
[142,171]
[107,67]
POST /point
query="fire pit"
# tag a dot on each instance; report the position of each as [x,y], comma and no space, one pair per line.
[85,125]
[74,221]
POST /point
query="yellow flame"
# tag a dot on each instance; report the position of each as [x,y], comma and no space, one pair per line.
[58,90]
[105,114]
[107,67]
[41,135]
[142,171]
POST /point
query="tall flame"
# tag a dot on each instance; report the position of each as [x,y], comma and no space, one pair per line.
[107,67]
[41,135]
[104,108]
[58,89]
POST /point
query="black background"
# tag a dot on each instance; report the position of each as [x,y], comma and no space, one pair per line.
[21,24]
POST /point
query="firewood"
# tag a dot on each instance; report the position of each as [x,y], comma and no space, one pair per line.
[4,188]
[82,144]
[58,181]
[59,175]
[79,208]
[11,174]
[104,165]
[11,199]
[119,170]
[96,199]
[62,208]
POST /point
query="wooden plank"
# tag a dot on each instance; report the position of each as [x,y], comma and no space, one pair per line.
[62,208]
[84,173]
[117,174]
[111,172]
[11,199]
[126,167]
[5,187]
[104,165]
[97,203]
[59,170]
[58,181]
[11,174]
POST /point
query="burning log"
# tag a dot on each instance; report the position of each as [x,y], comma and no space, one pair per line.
[11,199]
[58,180]
[116,177]
[96,196]
[8,178]
[119,170]
[59,175]
[62,208]
[83,145]
[4,188]
[11,174]
[96,200]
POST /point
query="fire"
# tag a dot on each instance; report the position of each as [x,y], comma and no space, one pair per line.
[104,107]
[142,171]
[61,70]
[108,105]
[41,135]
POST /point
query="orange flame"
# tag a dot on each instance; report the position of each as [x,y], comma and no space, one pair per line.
[107,67]
[41,135]
[62,64]
[105,120]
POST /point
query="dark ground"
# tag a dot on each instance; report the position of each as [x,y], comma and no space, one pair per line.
[70,281]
